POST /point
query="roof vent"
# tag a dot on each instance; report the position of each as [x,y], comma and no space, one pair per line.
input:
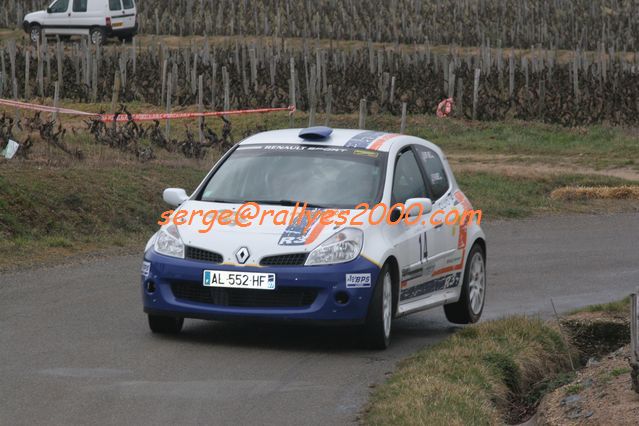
[315,133]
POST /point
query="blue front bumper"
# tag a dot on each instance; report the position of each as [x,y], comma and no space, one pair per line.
[326,281]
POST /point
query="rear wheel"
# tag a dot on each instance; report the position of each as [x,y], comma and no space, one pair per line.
[380,312]
[165,325]
[470,306]
[35,33]
[97,36]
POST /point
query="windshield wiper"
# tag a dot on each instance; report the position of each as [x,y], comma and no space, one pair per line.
[287,203]
[224,201]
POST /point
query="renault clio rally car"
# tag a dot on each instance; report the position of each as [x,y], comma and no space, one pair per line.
[364,275]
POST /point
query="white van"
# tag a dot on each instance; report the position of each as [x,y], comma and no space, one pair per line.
[98,19]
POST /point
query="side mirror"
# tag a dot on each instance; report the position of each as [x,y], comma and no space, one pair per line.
[412,209]
[48,10]
[175,196]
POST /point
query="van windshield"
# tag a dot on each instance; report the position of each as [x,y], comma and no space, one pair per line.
[279,174]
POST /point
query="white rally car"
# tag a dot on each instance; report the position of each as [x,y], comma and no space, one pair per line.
[311,270]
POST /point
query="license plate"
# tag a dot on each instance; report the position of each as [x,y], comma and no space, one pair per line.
[247,280]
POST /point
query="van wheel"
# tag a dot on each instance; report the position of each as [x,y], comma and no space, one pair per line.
[470,306]
[35,33]
[97,36]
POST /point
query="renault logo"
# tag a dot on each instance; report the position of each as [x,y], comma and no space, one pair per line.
[242,255]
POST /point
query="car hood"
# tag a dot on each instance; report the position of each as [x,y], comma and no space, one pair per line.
[269,238]
[35,16]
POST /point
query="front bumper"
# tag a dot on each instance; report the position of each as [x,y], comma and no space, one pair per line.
[326,281]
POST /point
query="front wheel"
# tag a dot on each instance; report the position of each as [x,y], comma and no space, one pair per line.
[470,306]
[380,312]
[97,36]
[35,33]
[165,325]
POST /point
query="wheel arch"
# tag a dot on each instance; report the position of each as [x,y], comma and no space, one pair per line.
[482,243]
[392,263]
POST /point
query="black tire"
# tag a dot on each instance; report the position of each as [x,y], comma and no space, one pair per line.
[464,311]
[376,333]
[35,33]
[97,36]
[165,325]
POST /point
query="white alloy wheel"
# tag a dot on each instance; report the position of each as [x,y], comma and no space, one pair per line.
[387,304]
[477,283]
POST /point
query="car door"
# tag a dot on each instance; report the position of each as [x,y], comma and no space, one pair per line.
[78,17]
[57,19]
[122,18]
[444,250]
[129,13]
[409,240]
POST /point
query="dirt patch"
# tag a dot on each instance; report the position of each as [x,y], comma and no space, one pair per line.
[531,166]
[596,334]
[600,395]
[625,192]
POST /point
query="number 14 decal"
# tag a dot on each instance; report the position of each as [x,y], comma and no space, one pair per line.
[423,247]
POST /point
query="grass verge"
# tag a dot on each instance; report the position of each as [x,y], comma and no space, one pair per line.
[48,214]
[480,376]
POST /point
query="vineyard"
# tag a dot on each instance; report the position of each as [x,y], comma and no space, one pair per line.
[487,84]
[398,57]
[564,24]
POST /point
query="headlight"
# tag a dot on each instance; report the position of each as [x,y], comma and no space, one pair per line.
[341,247]
[169,243]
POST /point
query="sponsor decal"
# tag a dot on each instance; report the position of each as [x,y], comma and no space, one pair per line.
[146,269]
[271,281]
[303,231]
[437,284]
[364,139]
[358,280]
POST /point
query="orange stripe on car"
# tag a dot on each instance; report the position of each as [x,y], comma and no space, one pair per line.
[450,268]
[377,143]
[317,229]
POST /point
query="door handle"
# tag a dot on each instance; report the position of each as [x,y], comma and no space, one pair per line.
[69,14]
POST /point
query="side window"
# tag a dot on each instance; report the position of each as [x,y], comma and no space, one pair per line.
[60,6]
[115,5]
[408,181]
[128,4]
[435,172]
[80,5]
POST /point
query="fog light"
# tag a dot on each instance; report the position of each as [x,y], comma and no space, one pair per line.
[341,298]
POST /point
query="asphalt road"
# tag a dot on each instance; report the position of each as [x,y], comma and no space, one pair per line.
[75,348]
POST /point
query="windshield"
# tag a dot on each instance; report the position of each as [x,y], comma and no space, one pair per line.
[330,177]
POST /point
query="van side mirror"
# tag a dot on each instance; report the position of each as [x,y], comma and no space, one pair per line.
[48,10]
[174,196]
[412,208]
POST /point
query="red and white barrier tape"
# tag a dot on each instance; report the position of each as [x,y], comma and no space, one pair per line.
[109,118]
